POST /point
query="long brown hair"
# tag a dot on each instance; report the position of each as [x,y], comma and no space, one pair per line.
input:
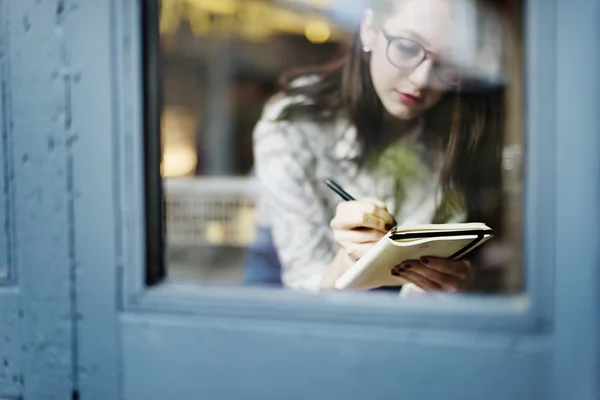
[467,125]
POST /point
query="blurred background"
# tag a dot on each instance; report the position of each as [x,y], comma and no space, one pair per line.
[221,60]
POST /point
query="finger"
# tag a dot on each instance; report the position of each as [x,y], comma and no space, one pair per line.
[359,220]
[353,214]
[383,212]
[375,201]
[459,268]
[370,207]
[364,207]
[446,281]
[380,204]
[419,280]
[358,235]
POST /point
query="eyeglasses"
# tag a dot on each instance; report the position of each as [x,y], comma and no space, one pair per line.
[407,54]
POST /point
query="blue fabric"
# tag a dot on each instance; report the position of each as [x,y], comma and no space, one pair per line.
[261,265]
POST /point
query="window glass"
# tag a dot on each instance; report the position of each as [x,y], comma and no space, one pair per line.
[261,101]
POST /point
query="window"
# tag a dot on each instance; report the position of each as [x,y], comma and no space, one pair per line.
[211,67]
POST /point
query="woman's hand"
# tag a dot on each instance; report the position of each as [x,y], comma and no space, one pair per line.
[358,225]
[435,274]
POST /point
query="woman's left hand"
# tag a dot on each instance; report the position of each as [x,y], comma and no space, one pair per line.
[435,274]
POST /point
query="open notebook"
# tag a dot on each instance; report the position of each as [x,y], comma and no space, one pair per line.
[410,243]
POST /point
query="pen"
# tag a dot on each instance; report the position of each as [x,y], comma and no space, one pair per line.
[342,193]
[338,189]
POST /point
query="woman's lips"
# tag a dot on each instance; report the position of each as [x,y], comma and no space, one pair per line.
[408,99]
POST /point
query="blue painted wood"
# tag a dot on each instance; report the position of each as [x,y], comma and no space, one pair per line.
[6,166]
[11,378]
[230,359]
[179,341]
[71,132]
[492,314]
[540,156]
[577,340]
[10,321]
[96,109]
[38,335]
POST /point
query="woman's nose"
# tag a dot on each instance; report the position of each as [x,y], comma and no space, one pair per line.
[421,75]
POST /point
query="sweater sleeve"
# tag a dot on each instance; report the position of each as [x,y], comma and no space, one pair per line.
[284,166]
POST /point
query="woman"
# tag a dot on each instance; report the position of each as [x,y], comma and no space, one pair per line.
[399,123]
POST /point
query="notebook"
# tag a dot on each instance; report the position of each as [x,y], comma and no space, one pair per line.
[400,244]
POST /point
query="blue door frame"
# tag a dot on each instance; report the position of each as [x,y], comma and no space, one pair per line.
[76,317]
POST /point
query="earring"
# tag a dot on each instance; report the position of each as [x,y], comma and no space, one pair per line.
[366,49]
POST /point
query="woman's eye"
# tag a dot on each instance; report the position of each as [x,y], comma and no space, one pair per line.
[408,48]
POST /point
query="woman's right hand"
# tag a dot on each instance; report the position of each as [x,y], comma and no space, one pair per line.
[358,225]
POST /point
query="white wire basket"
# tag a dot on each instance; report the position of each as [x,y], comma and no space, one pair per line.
[215,211]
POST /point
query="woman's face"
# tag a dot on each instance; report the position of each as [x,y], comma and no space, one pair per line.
[407,91]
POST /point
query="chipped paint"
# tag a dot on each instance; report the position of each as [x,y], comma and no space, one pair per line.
[37,330]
